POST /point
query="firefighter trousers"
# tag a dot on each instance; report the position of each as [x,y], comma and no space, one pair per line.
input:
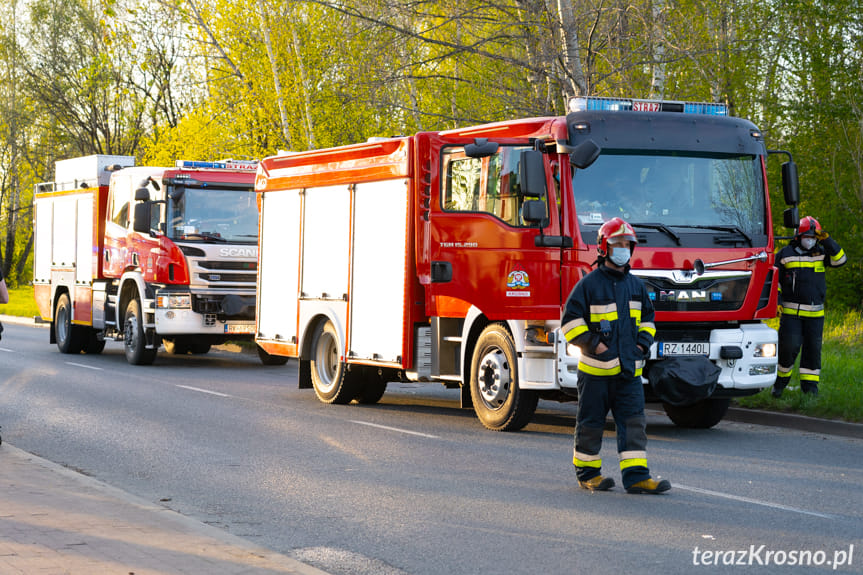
[796,332]
[624,396]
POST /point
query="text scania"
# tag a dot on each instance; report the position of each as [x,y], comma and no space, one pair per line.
[760,555]
[238,252]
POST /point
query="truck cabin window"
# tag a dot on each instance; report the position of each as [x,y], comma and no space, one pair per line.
[485,185]
[687,194]
[212,214]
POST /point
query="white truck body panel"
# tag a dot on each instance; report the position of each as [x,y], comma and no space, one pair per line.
[278,278]
[348,263]
[87,171]
[379,270]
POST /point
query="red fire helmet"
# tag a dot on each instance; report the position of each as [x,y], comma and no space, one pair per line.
[615,228]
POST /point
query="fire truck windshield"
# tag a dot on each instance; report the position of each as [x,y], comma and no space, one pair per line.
[212,215]
[674,193]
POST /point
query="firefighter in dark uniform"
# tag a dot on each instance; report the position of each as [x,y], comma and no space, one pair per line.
[802,288]
[610,317]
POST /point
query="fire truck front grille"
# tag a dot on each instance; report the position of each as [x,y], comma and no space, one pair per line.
[228,265]
[226,278]
[716,294]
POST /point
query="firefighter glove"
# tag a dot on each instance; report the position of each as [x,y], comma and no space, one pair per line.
[821,235]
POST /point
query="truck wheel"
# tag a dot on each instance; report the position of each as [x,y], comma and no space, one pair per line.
[702,415]
[372,386]
[70,338]
[93,345]
[174,347]
[269,359]
[200,348]
[134,341]
[330,377]
[498,401]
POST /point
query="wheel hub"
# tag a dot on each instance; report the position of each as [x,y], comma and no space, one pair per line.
[494,379]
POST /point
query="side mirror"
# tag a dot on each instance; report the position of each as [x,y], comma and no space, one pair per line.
[142,195]
[584,154]
[531,174]
[790,217]
[141,221]
[481,148]
[533,212]
[790,183]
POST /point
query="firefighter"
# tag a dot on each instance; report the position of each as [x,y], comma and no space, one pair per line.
[802,288]
[610,317]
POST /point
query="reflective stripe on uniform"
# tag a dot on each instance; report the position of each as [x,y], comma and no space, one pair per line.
[649,327]
[635,311]
[633,459]
[595,366]
[580,459]
[838,259]
[574,328]
[802,309]
[639,366]
[782,371]
[814,262]
[810,374]
[601,312]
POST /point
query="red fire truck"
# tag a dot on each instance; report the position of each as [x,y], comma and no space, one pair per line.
[146,255]
[447,256]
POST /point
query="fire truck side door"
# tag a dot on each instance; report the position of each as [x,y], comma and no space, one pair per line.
[483,251]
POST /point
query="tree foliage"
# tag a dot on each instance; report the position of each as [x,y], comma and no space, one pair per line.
[209,79]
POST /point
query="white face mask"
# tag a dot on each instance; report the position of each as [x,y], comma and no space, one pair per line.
[619,256]
[807,243]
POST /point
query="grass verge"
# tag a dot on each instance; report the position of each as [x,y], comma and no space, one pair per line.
[840,392]
[21,302]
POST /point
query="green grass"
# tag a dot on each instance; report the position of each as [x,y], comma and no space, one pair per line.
[21,302]
[840,392]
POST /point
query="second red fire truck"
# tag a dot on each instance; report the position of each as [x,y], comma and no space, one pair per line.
[447,256]
[151,256]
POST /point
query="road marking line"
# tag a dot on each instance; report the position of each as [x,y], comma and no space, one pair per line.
[84,366]
[204,390]
[395,429]
[753,501]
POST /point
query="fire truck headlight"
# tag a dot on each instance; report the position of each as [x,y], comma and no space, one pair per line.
[174,301]
[765,350]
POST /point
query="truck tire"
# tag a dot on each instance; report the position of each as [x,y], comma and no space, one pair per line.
[372,386]
[330,377]
[93,345]
[199,348]
[175,346]
[702,415]
[70,337]
[498,401]
[269,359]
[134,341]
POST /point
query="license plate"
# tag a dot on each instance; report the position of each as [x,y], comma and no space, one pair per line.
[667,348]
[239,328]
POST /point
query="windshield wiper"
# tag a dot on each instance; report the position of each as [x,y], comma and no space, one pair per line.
[731,229]
[662,228]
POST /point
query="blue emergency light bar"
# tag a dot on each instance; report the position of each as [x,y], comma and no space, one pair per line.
[224,165]
[586,103]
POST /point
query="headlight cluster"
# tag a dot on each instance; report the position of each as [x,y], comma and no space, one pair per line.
[765,350]
[174,301]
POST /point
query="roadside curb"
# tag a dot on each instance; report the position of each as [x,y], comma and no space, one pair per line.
[17,320]
[794,421]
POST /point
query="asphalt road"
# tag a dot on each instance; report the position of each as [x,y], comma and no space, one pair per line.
[415,484]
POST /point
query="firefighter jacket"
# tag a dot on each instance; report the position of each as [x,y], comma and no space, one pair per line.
[611,307]
[802,285]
